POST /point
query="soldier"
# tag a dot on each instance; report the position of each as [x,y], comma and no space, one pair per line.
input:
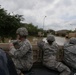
[70,52]
[50,50]
[21,51]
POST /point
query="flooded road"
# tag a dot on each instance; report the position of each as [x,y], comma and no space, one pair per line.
[59,40]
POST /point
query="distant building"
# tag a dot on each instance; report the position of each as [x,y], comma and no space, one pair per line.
[40,34]
[61,32]
[71,35]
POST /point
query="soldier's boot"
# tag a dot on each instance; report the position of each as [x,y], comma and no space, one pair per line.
[64,69]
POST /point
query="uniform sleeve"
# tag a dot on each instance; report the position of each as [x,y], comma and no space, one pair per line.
[12,50]
[56,46]
[22,51]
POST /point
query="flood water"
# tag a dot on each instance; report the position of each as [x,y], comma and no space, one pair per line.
[59,40]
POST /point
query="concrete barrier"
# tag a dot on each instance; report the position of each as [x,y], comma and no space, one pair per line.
[37,53]
[4,46]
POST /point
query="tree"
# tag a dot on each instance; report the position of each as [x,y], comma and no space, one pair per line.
[9,24]
[33,30]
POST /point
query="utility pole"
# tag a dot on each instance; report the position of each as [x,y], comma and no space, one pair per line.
[44,21]
[43,25]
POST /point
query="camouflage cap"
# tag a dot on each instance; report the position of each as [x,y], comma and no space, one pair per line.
[72,40]
[50,38]
[22,31]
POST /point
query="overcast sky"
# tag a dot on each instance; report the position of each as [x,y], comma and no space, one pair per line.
[60,14]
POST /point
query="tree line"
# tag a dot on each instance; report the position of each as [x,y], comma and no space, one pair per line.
[9,24]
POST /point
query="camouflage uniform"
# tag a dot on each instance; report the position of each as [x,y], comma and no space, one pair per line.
[23,56]
[49,56]
[70,52]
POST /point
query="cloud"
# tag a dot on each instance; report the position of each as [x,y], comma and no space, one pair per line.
[60,13]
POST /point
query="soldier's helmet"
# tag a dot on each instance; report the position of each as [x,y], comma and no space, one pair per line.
[72,40]
[22,31]
[50,38]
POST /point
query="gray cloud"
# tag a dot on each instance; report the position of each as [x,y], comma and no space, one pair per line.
[34,11]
